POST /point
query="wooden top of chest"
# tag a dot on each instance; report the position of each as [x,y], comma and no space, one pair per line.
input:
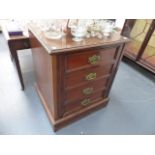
[67,44]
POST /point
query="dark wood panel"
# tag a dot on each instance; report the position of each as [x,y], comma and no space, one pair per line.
[118,56]
[90,58]
[85,90]
[84,102]
[44,74]
[82,76]
[127,27]
[22,44]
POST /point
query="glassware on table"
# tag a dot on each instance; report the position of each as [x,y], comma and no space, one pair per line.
[79,32]
[78,29]
[52,29]
[94,28]
[107,27]
[72,23]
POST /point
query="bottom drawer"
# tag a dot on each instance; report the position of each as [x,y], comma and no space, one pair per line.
[82,103]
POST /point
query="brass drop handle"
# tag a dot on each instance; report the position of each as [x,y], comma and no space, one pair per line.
[94,59]
[91,76]
[85,102]
[88,91]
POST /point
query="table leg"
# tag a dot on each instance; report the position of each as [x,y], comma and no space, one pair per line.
[16,61]
[10,51]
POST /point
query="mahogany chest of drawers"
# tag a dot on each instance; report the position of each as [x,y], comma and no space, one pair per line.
[74,79]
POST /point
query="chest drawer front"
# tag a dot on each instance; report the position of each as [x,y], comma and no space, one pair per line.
[90,58]
[85,90]
[84,102]
[88,75]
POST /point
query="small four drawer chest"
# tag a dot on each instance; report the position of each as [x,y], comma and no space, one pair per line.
[74,78]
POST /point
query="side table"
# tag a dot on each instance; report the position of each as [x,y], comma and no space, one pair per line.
[16,43]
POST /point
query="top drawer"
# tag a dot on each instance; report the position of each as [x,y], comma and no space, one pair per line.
[86,59]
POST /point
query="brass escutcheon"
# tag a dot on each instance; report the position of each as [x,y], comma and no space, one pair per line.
[94,59]
[86,102]
[88,91]
[91,76]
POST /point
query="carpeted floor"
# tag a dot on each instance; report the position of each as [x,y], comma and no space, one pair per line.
[131,109]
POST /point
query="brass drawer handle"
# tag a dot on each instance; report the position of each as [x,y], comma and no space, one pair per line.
[94,59]
[88,91]
[86,102]
[91,76]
